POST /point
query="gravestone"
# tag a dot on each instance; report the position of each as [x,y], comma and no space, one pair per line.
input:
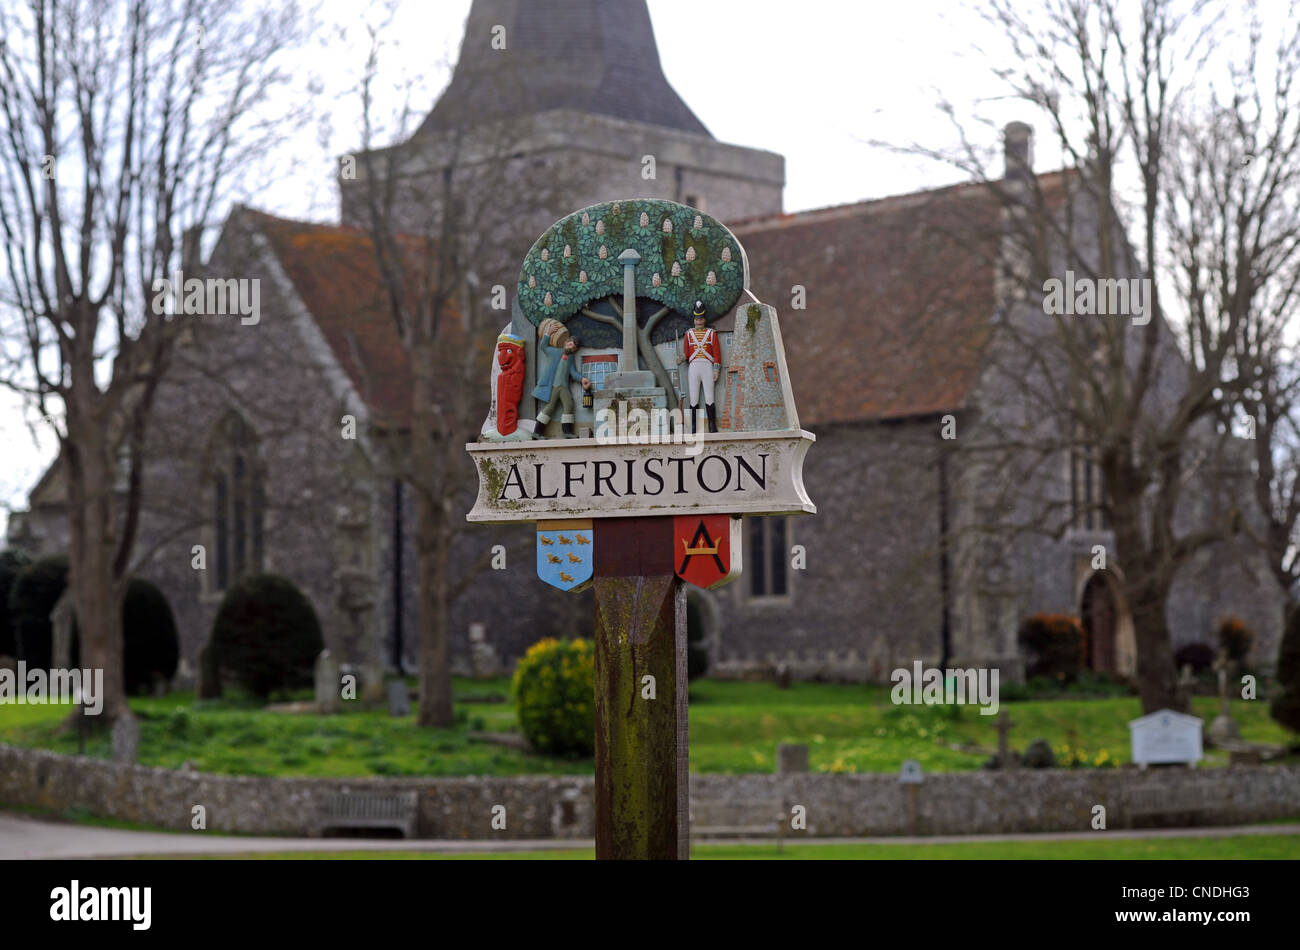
[126,740]
[791,758]
[1164,737]
[639,510]
[399,699]
[62,617]
[1006,757]
[328,695]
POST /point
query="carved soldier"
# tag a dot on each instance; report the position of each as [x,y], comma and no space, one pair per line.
[560,349]
[703,356]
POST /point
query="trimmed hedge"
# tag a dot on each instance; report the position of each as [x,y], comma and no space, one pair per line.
[1055,644]
[1199,656]
[12,562]
[1285,707]
[36,589]
[554,689]
[1236,638]
[266,635]
[152,648]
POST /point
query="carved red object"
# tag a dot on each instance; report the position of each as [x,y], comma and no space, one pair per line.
[510,383]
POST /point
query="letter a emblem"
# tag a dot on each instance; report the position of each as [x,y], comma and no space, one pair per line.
[707,550]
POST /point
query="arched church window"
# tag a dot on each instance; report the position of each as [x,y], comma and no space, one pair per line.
[238,494]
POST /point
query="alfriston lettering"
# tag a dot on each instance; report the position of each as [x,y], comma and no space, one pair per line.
[711,474]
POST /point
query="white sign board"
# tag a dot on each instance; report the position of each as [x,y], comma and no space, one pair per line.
[724,473]
[1166,736]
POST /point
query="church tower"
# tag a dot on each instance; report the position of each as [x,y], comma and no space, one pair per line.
[583,78]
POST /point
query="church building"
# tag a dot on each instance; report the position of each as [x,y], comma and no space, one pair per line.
[271,444]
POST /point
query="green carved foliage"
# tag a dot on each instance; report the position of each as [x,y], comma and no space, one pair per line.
[685,256]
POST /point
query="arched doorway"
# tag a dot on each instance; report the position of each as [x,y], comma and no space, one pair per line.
[1097,611]
[1099,614]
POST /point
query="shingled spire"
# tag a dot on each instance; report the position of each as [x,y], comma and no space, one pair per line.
[593,56]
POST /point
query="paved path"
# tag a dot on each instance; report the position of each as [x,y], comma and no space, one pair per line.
[24,837]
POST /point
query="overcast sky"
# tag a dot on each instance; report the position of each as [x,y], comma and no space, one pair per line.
[815,80]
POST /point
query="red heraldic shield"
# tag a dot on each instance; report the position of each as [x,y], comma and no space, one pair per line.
[707,549]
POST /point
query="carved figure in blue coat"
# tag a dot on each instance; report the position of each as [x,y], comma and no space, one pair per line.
[559,350]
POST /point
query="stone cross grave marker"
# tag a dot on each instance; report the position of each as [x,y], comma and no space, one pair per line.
[1223,728]
[649,502]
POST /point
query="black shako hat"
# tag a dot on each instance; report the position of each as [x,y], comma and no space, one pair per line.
[698,311]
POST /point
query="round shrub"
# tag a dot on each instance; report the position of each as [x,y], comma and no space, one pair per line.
[1285,707]
[554,690]
[1200,656]
[36,589]
[1236,638]
[12,561]
[151,648]
[267,635]
[1054,644]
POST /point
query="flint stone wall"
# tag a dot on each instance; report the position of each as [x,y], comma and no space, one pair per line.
[561,806]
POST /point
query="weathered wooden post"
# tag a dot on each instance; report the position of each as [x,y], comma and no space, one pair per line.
[642,508]
[642,797]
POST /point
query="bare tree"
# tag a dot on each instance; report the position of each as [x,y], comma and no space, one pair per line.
[449,215]
[1234,227]
[121,126]
[1140,393]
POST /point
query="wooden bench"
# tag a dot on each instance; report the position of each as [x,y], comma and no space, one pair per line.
[739,818]
[1162,800]
[397,810]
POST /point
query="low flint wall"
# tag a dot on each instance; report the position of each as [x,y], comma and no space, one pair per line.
[835,805]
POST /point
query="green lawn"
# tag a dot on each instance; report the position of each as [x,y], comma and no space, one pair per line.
[735,727]
[1242,846]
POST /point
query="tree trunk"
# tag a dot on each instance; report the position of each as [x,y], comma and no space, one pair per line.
[656,366]
[432,552]
[1157,678]
[97,595]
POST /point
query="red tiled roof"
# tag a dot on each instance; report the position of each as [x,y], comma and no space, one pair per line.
[334,271]
[900,294]
[900,299]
